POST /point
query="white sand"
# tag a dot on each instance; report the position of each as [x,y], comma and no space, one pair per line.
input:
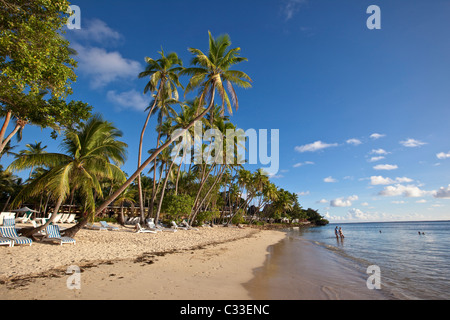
[213,272]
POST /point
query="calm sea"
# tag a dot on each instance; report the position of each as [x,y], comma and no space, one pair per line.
[412,265]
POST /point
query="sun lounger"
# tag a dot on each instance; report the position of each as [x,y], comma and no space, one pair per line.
[11,233]
[139,229]
[9,222]
[26,217]
[94,227]
[104,224]
[71,218]
[175,226]
[53,234]
[186,225]
[6,242]
[63,218]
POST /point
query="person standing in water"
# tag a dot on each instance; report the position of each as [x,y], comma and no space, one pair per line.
[341,234]
[336,232]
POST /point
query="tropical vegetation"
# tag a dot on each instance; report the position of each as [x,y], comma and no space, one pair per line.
[34,88]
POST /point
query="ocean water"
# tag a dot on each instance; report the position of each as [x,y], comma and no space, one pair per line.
[412,265]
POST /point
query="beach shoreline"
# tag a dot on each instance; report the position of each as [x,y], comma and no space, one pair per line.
[208,264]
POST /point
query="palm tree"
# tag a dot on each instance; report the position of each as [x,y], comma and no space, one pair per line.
[35,148]
[164,79]
[208,74]
[92,152]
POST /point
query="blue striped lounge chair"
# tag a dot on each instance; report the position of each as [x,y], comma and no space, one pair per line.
[11,234]
[6,242]
[9,222]
[104,224]
[53,234]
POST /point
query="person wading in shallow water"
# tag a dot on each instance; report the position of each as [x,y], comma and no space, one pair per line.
[341,234]
[336,232]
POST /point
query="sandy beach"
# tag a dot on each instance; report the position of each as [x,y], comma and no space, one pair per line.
[211,263]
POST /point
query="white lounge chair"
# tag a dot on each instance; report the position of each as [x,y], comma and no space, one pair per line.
[139,229]
[71,218]
[186,225]
[63,218]
[25,218]
[177,227]
[11,234]
[104,224]
[53,234]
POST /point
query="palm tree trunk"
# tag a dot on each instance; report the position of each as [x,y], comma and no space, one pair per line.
[8,138]
[5,126]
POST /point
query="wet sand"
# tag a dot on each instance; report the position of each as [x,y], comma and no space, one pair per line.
[296,269]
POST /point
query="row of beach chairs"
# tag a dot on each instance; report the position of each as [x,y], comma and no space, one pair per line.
[10,237]
[26,218]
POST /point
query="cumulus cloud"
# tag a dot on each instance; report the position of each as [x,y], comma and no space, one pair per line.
[301,164]
[376,136]
[443,155]
[408,191]
[412,143]
[104,67]
[375,159]
[96,30]
[354,141]
[128,100]
[316,146]
[442,193]
[303,193]
[330,180]
[343,202]
[385,167]
[379,180]
[379,151]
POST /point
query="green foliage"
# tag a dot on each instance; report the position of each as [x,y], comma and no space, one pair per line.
[33,54]
[177,206]
[206,216]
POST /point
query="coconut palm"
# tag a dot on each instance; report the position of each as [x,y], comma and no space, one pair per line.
[164,78]
[32,148]
[92,152]
[206,74]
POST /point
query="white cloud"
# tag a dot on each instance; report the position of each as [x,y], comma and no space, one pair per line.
[323,201]
[301,164]
[411,143]
[379,151]
[409,191]
[443,155]
[375,159]
[354,142]
[129,100]
[316,146]
[105,67]
[330,180]
[421,201]
[385,167]
[376,136]
[97,31]
[343,202]
[303,193]
[442,193]
[379,180]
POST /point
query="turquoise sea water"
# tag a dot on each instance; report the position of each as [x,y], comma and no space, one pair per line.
[412,266]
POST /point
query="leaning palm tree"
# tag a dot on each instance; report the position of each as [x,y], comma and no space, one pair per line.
[207,74]
[164,78]
[92,152]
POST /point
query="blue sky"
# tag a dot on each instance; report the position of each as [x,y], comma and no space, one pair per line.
[363,114]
